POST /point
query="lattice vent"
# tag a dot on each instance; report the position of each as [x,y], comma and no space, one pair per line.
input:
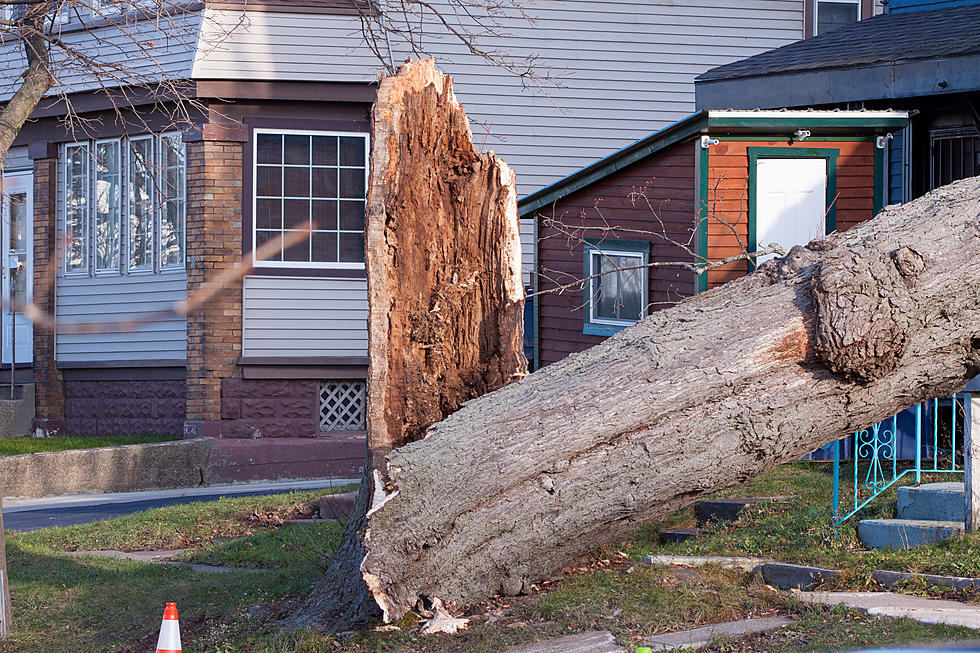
[343,406]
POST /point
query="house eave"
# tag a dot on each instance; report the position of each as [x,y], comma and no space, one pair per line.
[887,81]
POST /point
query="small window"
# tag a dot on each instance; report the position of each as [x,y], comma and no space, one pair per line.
[76,208]
[316,181]
[836,14]
[343,406]
[140,203]
[173,207]
[108,206]
[616,286]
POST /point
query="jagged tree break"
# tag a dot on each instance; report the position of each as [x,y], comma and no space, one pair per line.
[695,398]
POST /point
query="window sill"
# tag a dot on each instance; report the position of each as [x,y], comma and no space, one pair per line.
[594,329]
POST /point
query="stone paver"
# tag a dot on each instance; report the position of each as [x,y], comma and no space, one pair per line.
[788,576]
[745,564]
[888,604]
[161,558]
[889,578]
[598,641]
[699,637]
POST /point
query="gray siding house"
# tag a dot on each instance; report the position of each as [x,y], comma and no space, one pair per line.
[277,136]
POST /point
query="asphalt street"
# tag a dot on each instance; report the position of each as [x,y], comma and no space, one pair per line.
[31,515]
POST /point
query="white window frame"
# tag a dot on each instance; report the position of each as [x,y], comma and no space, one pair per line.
[89,235]
[86,147]
[593,290]
[816,12]
[153,204]
[336,265]
[94,210]
[158,215]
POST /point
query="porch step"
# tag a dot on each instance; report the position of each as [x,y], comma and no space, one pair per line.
[932,501]
[905,533]
[681,535]
[716,510]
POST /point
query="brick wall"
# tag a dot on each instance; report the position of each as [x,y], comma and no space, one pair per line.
[214,244]
[124,407]
[269,408]
[49,386]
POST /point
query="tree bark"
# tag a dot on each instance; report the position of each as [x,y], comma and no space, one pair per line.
[37,82]
[836,335]
[445,322]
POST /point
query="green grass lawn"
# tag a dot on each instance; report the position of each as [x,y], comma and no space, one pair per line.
[15,446]
[65,603]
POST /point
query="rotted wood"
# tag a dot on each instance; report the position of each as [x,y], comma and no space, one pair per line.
[693,399]
[445,323]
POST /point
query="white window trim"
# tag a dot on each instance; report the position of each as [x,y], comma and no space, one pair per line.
[94,211]
[593,291]
[340,265]
[158,216]
[127,204]
[87,149]
[89,236]
[816,12]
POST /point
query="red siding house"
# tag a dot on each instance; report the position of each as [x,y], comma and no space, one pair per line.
[616,239]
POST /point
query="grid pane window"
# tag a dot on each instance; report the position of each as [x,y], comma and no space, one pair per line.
[141,203]
[172,201]
[76,208]
[313,182]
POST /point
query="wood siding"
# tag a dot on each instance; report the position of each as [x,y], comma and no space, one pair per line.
[113,298]
[728,195]
[610,96]
[304,316]
[17,160]
[667,181]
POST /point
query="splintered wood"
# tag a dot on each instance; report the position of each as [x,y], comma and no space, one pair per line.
[443,262]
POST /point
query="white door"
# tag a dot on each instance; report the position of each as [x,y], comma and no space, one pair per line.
[790,203]
[17,264]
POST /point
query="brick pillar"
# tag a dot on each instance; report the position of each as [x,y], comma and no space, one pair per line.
[214,243]
[49,415]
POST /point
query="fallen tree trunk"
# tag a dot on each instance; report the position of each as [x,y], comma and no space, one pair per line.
[699,397]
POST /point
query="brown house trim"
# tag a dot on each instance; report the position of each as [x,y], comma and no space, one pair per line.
[295,91]
[305,367]
[328,7]
[126,371]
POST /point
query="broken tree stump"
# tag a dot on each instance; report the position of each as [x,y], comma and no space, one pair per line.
[446,311]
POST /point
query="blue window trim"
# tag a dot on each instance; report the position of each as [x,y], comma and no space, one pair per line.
[609,245]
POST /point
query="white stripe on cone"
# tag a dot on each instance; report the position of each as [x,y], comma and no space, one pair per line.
[169,640]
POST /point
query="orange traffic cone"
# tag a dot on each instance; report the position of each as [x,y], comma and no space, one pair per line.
[169,641]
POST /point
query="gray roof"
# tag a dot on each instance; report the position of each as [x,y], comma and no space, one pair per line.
[883,39]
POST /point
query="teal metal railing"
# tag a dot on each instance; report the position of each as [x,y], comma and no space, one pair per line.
[924,439]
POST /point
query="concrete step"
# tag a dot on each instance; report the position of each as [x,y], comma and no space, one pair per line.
[932,501]
[905,533]
[716,510]
[681,534]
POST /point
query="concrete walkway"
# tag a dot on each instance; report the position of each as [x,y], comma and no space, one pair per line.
[599,641]
[745,564]
[888,604]
[31,514]
[161,557]
[701,637]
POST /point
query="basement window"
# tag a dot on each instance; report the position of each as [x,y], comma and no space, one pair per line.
[616,285]
[343,406]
